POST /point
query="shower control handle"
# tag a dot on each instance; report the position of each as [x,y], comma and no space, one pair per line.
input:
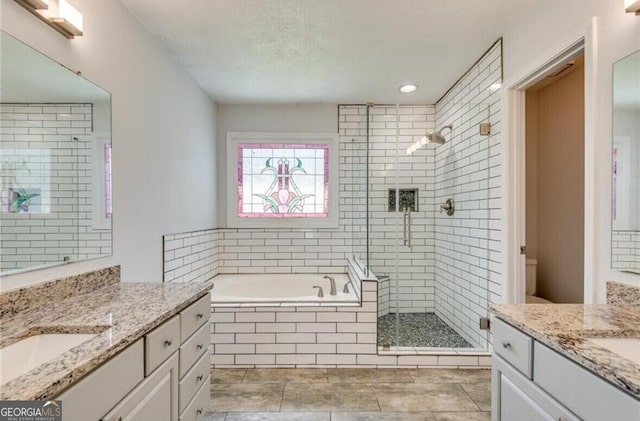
[407,227]
[449,207]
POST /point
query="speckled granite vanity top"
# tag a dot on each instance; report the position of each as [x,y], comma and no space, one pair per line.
[122,313]
[564,327]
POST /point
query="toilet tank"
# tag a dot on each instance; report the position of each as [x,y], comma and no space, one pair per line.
[531,276]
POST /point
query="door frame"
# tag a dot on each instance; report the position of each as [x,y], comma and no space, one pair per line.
[583,40]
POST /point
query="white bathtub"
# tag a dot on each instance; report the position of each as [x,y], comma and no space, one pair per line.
[279,288]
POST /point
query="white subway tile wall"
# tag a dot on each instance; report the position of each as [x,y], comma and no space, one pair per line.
[43,134]
[192,256]
[468,252]
[625,250]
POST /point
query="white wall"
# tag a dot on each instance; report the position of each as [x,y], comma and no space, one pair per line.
[320,118]
[163,134]
[618,35]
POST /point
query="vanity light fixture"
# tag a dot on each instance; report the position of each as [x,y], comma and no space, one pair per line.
[632,6]
[410,87]
[35,4]
[59,14]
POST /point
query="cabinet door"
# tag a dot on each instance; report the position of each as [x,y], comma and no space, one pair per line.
[515,405]
[96,393]
[514,397]
[155,399]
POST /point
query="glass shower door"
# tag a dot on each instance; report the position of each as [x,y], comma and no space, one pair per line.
[429,220]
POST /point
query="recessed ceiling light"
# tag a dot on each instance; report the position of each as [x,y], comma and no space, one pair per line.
[406,89]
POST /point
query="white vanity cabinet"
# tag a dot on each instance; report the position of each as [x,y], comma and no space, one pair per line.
[531,382]
[154,399]
[163,377]
[195,375]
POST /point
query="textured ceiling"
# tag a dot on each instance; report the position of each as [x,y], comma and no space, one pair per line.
[338,51]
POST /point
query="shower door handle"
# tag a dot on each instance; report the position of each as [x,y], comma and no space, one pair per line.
[407,227]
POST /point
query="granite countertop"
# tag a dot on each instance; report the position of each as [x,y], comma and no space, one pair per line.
[563,327]
[121,313]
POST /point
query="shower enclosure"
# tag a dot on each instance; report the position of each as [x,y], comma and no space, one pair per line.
[423,219]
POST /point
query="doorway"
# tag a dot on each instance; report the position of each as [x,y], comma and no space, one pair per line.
[555,185]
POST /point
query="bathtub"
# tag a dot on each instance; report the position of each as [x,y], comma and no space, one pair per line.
[279,288]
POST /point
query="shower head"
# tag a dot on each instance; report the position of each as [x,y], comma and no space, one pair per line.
[432,137]
[436,137]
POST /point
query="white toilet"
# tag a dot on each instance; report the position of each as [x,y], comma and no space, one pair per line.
[531,284]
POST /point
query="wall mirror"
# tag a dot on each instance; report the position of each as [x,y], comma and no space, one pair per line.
[55,162]
[625,191]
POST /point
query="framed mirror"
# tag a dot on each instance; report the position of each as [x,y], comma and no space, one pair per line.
[625,189]
[55,162]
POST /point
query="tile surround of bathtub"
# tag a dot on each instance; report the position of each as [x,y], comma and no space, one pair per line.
[13,302]
[191,256]
[620,294]
[467,245]
[312,336]
[39,238]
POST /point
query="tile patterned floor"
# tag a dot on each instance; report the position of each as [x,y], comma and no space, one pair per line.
[350,394]
[419,330]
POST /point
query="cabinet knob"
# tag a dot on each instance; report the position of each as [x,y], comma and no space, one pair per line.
[199,378]
[199,315]
[199,411]
[506,345]
[168,342]
[199,346]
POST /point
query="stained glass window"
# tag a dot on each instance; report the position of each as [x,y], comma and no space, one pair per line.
[283,180]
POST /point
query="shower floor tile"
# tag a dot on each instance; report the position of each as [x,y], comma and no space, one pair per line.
[419,330]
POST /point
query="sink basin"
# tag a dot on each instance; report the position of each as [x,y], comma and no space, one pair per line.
[25,355]
[628,348]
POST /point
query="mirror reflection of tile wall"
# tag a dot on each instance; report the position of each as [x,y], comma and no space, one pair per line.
[55,167]
[625,211]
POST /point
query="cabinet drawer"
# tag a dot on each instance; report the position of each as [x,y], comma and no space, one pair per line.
[581,391]
[156,398]
[161,343]
[192,381]
[199,404]
[192,317]
[194,348]
[514,346]
[93,396]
